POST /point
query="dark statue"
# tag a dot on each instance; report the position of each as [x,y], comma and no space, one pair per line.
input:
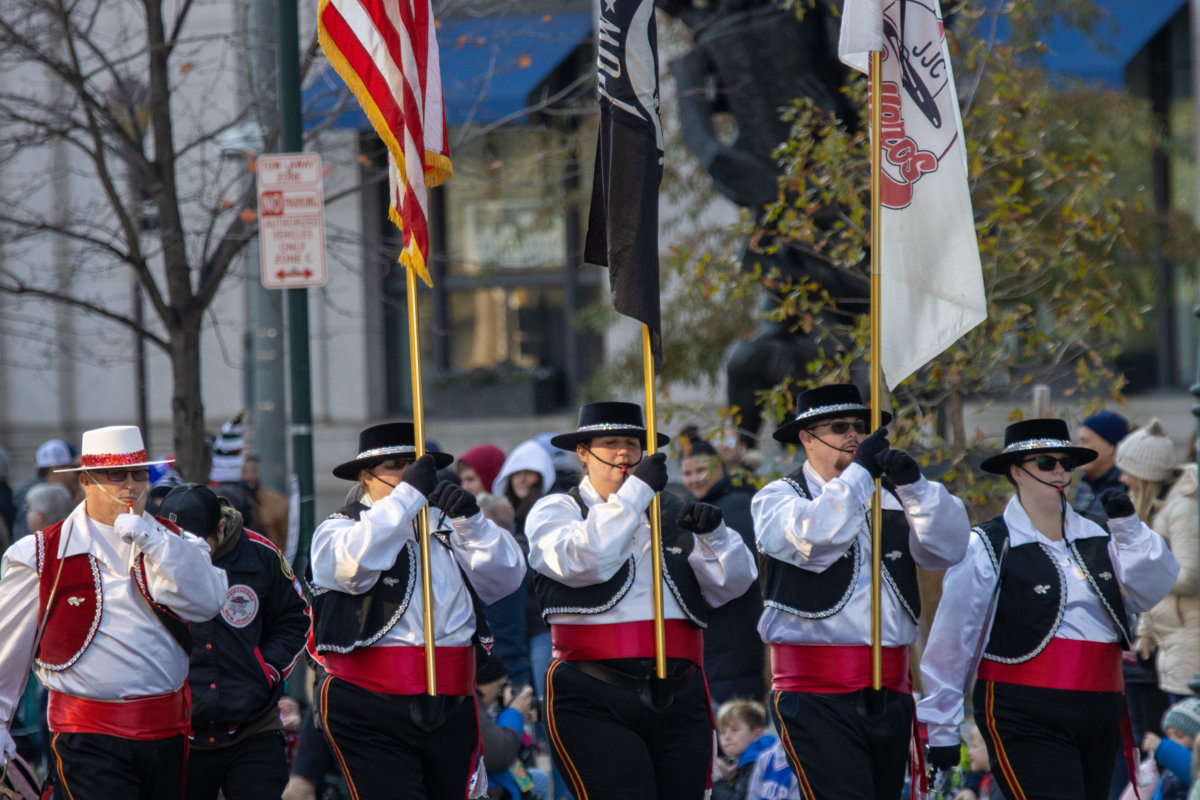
[750,59]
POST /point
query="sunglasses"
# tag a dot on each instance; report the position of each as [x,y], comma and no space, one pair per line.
[1047,463]
[118,475]
[393,463]
[841,426]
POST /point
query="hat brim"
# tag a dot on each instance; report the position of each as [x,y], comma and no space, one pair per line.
[115,466]
[350,469]
[567,441]
[999,463]
[789,432]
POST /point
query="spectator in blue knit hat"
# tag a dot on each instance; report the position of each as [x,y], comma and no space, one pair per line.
[1173,751]
[1101,432]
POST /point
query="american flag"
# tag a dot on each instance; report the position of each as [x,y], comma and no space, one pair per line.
[386,51]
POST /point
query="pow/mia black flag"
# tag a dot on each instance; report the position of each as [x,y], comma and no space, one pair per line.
[623,221]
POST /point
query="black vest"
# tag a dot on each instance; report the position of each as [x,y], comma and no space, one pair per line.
[558,598]
[816,595]
[343,622]
[1032,592]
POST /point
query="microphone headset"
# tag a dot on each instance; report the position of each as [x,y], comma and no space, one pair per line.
[1062,492]
[129,504]
[623,467]
[850,450]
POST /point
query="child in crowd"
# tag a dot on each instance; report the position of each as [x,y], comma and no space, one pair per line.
[751,769]
[1173,752]
[978,783]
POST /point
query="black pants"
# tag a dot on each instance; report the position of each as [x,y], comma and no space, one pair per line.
[384,753]
[251,769]
[92,766]
[841,745]
[1049,744]
[609,745]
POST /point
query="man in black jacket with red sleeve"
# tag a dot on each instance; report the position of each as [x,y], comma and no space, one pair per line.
[241,656]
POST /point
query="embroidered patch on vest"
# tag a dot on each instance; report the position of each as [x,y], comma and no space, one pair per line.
[241,606]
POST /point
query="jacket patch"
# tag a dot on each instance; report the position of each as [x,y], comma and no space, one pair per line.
[241,606]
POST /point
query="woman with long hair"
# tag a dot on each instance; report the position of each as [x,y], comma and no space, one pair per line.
[1164,493]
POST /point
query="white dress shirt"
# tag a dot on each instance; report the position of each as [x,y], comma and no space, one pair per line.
[584,552]
[349,556]
[1145,570]
[814,533]
[132,654]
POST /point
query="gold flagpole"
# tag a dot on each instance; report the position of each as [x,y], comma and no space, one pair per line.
[414,357]
[656,560]
[876,126]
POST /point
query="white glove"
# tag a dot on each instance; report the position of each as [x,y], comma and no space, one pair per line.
[7,746]
[135,529]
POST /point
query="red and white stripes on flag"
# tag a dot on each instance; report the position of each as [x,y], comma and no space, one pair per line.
[386,51]
[931,277]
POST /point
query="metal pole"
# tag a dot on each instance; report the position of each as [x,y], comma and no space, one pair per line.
[1194,39]
[414,360]
[1194,683]
[656,565]
[291,140]
[267,406]
[876,370]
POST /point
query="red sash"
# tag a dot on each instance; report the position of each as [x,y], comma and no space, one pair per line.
[835,668]
[145,719]
[1064,664]
[401,669]
[626,640]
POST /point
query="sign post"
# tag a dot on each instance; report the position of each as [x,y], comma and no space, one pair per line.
[291,220]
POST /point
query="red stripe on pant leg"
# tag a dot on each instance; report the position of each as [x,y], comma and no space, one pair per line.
[1005,765]
[806,791]
[552,729]
[59,765]
[337,752]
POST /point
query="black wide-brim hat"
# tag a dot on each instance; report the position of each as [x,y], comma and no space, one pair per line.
[383,441]
[1031,437]
[607,418]
[820,403]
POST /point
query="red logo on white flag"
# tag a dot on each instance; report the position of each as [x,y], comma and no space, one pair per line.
[915,135]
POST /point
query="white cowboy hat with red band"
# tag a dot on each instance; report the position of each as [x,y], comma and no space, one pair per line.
[113,447]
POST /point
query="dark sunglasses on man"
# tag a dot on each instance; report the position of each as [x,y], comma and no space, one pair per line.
[840,427]
[118,475]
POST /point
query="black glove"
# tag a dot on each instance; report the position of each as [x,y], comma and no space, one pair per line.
[1116,503]
[699,518]
[869,449]
[899,466]
[944,757]
[652,471]
[421,475]
[454,500]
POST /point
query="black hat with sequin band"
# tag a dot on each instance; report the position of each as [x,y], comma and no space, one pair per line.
[607,418]
[1031,437]
[820,403]
[381,442]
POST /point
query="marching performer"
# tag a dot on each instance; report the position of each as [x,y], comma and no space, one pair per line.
[617,730]
[390,738]
[100,603]
[1041,605]
[841,737]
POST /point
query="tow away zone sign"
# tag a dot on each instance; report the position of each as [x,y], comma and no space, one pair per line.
[291,220]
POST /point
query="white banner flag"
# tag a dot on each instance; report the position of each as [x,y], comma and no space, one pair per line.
[931,278]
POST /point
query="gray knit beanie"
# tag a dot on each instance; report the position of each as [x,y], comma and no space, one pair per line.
[1147,453]
[1184,717]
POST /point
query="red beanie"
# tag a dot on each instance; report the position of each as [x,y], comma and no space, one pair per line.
[486,460]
